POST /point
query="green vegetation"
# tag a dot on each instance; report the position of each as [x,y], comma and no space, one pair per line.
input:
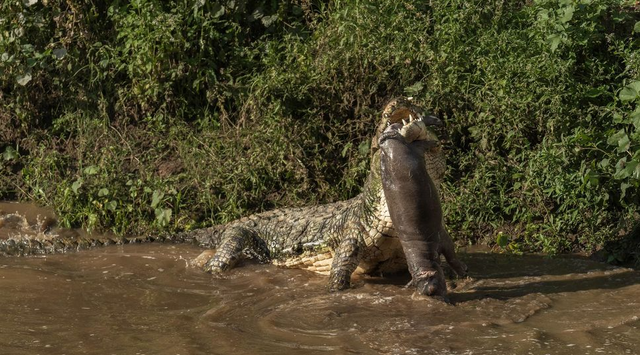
[154,115]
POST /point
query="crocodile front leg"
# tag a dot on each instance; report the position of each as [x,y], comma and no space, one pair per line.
[346,258]
[237,243]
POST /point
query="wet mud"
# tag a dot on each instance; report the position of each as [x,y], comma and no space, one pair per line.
[145,299]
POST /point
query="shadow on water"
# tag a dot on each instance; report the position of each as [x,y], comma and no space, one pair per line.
[505,276]
[502,276]
[549,287]
[498,265]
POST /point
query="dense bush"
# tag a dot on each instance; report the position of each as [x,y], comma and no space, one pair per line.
[148,115]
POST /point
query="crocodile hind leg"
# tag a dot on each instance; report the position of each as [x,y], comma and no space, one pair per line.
[345,260]
[237,243]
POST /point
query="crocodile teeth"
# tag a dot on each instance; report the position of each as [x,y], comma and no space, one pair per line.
[411,119]
[404,122]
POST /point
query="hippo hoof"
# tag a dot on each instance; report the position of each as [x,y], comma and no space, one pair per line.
[431,283]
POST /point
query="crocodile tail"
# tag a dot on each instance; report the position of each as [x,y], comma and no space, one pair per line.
[24,246]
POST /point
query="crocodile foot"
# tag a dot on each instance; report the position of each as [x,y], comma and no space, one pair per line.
[339,281]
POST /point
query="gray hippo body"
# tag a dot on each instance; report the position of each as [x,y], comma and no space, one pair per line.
[414,205]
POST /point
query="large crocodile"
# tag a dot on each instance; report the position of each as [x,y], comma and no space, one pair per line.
[335,238]
[332,239]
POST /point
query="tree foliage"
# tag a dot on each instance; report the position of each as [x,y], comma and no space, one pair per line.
[146,115]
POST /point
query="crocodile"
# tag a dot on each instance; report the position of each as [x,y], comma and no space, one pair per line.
[337,238]
[333,239]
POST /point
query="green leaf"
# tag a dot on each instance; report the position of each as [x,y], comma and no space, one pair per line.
[615,138]
[91,170]
[163,216]
[595,92]
[23,79]
[604,163]
[27,48]
[554,41]
[156,198]
[621,171]
[267,21]
[629,92]
[590,178]
[103,192]
[567,14]
[257,14]
[632,168]
[10,153]
[623,187]
[363,148]
[543,14]
[624,143]
[618,118]
[217,10]
[76,185]
[636,27]
[502,240]
[112,205]
[345,149]
[635,118]
[414,89]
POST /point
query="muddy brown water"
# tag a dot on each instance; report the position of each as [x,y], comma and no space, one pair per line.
[144,299]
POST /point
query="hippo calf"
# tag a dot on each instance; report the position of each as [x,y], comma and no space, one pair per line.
[414,204]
